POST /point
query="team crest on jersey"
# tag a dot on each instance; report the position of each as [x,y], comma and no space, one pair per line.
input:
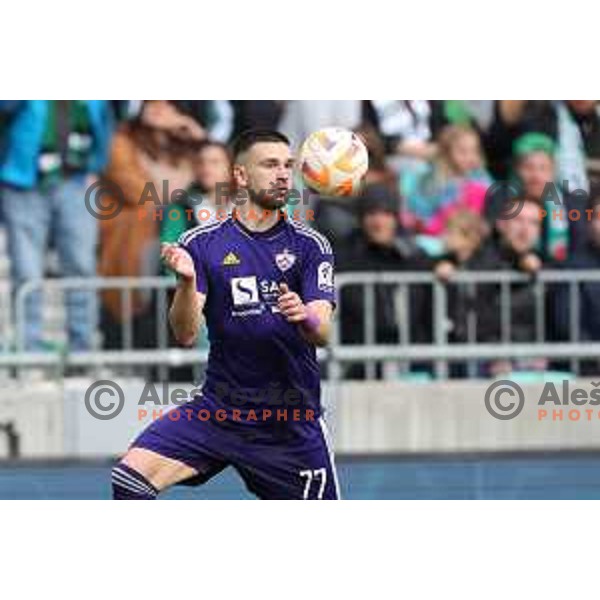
[231,259]
[285,260]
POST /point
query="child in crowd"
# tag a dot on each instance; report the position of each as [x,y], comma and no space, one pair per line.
[465,233]
[457,181]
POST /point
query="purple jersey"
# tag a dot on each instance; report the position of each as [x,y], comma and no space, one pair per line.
[260,367]
[257,359]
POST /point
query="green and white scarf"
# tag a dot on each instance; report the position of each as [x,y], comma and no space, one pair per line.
[67,141]
[571,156]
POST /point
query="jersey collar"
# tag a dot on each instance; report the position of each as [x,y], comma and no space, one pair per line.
[268,233]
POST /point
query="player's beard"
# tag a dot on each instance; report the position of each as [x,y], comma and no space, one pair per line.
[268,200]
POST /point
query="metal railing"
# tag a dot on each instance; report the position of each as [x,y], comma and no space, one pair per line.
[441,350]
[162,355]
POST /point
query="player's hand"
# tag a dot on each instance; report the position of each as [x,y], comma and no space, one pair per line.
[177,259]
[290,305]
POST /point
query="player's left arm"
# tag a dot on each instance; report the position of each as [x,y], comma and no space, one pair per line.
[313,318]
[311,307]
[321,313]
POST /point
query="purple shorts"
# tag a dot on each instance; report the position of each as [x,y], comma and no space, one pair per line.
[292,461]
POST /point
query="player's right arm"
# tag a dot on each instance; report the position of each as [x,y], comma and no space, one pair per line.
[185,314]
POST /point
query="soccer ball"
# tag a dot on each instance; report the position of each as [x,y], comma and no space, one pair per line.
[333,162]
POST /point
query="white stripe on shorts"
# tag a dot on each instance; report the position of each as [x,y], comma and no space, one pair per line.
[329,447]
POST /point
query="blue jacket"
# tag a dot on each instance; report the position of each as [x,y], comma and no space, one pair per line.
[24,133]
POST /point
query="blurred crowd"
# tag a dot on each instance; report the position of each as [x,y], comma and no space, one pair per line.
[431,203]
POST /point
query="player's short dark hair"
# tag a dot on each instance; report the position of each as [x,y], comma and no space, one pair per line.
[245,140]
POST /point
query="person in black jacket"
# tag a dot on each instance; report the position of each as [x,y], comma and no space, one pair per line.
[379,246]
[510,249]
[586,257]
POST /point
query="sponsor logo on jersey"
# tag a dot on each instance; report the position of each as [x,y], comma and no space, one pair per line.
[252,296]
[244,291]
[269,292]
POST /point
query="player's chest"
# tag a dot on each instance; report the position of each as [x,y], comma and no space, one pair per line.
[246,277]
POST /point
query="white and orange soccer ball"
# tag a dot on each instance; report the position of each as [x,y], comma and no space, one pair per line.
[333,162]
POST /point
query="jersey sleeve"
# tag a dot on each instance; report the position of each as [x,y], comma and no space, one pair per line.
[318,272]
[192,246]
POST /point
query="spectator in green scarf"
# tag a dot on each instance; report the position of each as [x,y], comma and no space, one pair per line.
[535,168]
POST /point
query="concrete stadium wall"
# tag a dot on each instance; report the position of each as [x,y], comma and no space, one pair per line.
[451,417]
[36,412]
[52,420]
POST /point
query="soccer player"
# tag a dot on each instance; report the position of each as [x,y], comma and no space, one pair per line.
[265,285]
